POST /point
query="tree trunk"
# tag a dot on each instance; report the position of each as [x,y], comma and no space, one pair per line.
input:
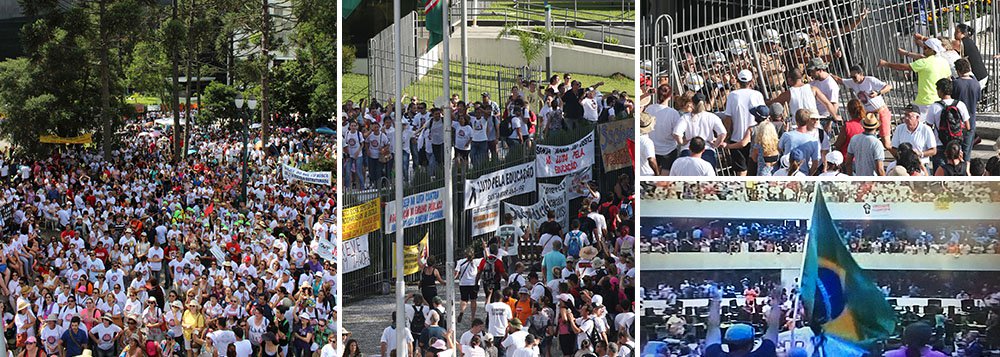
[174,99]
[265,42]
[106,118]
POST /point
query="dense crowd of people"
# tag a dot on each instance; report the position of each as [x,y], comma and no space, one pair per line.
[482,130]
[836,191]
[139,255]
[574,297]
[821,119]
[880,237]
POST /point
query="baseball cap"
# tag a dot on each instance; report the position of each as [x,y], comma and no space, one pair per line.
[739,333]
[835,157]
[745,76]
[777,110]
[912,108]
[772,36]
[761,112]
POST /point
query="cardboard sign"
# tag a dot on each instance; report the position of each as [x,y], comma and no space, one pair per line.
[614,137]
[485,219]
[356,254]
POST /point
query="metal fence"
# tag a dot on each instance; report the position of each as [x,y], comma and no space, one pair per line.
[381,81]
[423,75]
[842,32]
[376,278]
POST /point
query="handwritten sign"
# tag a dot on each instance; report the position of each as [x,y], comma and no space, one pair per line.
[553,161]
[363,218]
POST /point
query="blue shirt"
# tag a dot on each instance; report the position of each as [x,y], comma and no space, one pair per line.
[75,343]
[766,349]
[550,260]
[804,142]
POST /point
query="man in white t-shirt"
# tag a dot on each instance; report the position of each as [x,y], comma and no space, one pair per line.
[388,341]
[155,259]
[590,111]
[738,104]
[693,165]
[921,137]
[499,315]
[515,337]
[934,112]
[221,339]
[666,118]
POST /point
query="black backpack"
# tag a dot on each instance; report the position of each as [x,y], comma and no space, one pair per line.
[514,284]
[950,123]
[506,128]
[417,324]
[443,320]
[593,335]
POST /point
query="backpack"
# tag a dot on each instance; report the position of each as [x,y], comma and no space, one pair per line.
[417,324]
[593,335]
[574,243]
[443,320]
[506,128]
[514,284]
[489,271]
[950,123]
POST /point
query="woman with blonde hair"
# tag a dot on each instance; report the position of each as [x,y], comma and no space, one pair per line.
[764,149]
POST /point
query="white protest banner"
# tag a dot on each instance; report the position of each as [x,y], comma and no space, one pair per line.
[496,186]
[424,207]
[356,255]
[552,161]
[327,250]
[527,217]
[314,177]
[553,197]
[485,219]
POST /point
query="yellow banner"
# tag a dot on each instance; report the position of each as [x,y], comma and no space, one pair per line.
[55,139]
[362,218]
[411,254]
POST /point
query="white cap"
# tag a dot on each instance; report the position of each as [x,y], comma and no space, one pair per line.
[717,57]
[835,157]
[745,76]
[935,44]
[772,36]
[693,81]
[738,47]
[800,39]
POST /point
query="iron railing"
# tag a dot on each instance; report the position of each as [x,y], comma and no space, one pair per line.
[376,278]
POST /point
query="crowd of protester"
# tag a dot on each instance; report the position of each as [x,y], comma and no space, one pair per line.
[482,130]
[821,119]
[139,255]
[836,191]
[880,237]
[549,290]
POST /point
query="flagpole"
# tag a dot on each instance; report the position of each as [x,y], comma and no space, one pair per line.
[802,267]
[449,183]
[465,50]
[397,166]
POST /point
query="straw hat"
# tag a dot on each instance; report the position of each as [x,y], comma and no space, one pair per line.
[21,305]
[870,122]
[588,252]
[646,123]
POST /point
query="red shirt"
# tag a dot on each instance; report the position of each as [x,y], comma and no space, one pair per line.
[498,268]
[101,253]
[851,128]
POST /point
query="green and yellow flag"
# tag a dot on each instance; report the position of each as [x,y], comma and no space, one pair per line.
[835,291]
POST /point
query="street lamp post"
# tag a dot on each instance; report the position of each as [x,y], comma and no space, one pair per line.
[251,104]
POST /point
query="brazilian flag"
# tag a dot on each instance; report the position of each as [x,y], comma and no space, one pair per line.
[433,22]
[835,291]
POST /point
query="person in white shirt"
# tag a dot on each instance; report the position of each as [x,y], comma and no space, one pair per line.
[515,337]
[944,90]
[869,90]
[699,123]
[530,348]
[738,105]
[666,119]
[648,165]
[921,137]
[499,315]
[466,270]
[387,343]
[463,138]
[590,110]
[354,143]
[693,165]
